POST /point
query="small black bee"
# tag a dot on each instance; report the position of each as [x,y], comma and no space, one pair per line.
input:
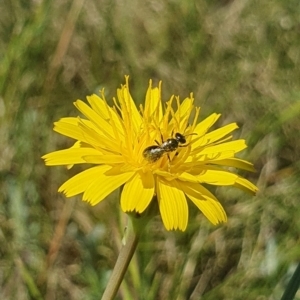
[155,152]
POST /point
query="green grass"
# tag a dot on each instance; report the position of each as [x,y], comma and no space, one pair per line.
[239,58]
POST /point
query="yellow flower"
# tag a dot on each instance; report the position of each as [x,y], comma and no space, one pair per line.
[157,150]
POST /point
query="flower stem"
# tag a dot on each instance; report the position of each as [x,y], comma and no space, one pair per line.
[292,286]
[130,242]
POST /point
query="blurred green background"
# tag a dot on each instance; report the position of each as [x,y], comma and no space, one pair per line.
[240,58]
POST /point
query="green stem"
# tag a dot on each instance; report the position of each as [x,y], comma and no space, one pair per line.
[293,285]
[128,248]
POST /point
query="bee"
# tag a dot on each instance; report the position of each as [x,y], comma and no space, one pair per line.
[155,152]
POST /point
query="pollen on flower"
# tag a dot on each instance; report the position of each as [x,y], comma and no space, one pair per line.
[160,149]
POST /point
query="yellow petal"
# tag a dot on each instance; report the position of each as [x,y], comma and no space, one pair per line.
[216,177]
[236,163]
[103,110]
[138,193]
[204,125]
[153,107]
[80,182]
[182,114]
[68,127]
[185,176]
[69,156]
[103,186]
[94,137]
[82,130]
[99,106]
[172,205]
[221,132]
[246,186]
[130,114]
[215,135]
[69,120]
[103,159]
[102,125]
[217,152]
[200,160]
[235,146]
[205,201]
[76,145]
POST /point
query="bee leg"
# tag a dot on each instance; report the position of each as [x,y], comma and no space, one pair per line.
[185,145]
[162,138]
[169,164]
